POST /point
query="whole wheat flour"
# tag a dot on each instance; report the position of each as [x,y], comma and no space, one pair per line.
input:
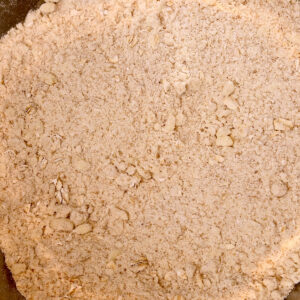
[150,150]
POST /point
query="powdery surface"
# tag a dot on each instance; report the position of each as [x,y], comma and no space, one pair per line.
[150,150]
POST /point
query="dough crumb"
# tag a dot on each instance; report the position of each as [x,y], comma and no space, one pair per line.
[47,8]
[61,224]
[278,189]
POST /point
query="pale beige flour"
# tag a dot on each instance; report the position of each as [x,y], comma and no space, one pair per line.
[150,150]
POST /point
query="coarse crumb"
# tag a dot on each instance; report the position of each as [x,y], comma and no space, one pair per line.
[150,150]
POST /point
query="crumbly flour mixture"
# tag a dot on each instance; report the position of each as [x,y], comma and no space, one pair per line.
[150,150]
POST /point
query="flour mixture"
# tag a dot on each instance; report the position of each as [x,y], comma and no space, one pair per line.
[150,150]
